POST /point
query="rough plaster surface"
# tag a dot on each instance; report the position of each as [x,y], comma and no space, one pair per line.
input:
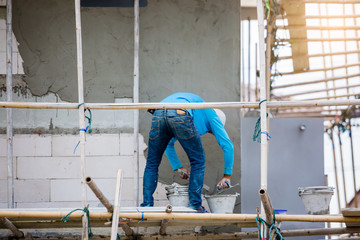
[185,45]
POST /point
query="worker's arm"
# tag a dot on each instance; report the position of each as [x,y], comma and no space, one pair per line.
[218,129]
[174,160]
[172,156]
[225,143]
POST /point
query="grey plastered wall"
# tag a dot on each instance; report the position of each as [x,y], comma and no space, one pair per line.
[185,45]
[296,159]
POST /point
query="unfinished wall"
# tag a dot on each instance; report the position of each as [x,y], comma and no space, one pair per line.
[46,170]
[185,45]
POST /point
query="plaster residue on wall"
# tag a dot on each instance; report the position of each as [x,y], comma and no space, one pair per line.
[62,121]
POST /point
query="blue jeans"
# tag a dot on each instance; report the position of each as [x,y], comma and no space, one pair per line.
[165,125]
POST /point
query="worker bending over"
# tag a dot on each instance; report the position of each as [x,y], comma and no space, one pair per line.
[186,126]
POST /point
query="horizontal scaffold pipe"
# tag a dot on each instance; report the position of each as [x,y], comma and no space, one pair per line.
[12,214]
[113,106]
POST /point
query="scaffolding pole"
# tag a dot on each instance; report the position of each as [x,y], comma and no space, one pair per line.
[26,214]
[353,164]
[335,169]
[263,105]
[9,112]
[136,98]
[124,106]
[81,108]
[342,166]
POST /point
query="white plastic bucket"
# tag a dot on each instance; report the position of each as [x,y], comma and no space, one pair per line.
[178,195]
[179,200]
[221,203]
[316,199]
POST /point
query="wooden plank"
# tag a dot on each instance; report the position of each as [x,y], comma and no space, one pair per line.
[351,212]
[132,223]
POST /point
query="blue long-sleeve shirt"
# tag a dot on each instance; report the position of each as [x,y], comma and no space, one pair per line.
[205,120]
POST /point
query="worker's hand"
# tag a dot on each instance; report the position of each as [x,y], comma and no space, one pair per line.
[183,173]
[224,182]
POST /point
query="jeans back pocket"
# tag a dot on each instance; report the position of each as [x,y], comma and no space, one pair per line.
[155,129]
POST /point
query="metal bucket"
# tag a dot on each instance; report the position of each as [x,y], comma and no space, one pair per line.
[178,195]
[221,203]
[316,199]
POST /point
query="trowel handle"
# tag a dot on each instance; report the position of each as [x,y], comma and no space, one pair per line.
[186,176]
[220,186]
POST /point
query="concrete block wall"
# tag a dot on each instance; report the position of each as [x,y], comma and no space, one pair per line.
[17,61]
[47,170]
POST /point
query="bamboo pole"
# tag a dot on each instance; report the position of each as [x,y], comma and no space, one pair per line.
[119,106]
[92,185]
[332,1]
[329,28]
[342,166]
[253,235]
[9,112]
[21,214]
[9,225]
[318,70]
[353,164]
[81,113]
[316,81]
[321,54]
[249,54]
[324,61]
[335,96]
[335,169]
[266,201]
[263,106]
[256,78]
[319,90]
[106,203]
[346,61]
[136,99]
[164,225]
[165,222]
[115,219]
[29,214]
[325,39]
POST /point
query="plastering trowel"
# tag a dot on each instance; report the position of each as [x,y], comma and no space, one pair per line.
[221,189]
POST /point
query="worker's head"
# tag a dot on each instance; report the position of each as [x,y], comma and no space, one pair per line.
[221,115]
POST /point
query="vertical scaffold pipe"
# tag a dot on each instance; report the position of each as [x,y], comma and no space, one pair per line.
[115,219]
[81,114]
[342,166]
[353,165]
[9,111]
[263,106]
[335,169]
[136,98]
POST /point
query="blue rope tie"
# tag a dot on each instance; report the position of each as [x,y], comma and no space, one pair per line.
[263,223]
[257,130]
[264,100]
[142,215]
[88,127]
[80,104]
[266,133]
